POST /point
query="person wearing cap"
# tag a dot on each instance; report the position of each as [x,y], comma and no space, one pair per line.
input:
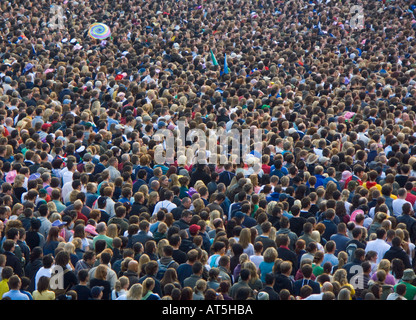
[97,292]
[408,279]
[194,230]
[45,130]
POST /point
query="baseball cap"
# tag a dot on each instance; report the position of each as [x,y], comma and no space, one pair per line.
[58,223]
[96,290]
[239,214]
[193,229]
[45,126]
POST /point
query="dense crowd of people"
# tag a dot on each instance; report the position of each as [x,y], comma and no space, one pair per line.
[321,208]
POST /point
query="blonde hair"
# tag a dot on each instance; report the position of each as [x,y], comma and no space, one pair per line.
[135,292]
[77,242]
[249,265]
[148,284]
[121,283]
[69,247]
[270,254]
[112,230]
[144,258]
[384,265]
[101,272]
[245,238]
[200,286]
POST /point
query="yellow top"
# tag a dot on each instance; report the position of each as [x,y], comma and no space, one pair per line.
[4,287]
[45,295]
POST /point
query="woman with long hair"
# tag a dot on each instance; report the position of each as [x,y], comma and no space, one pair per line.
[135,293]
[100,279]
[43,292]
[148,286]
[79,232]
[19,186]
[340,276]
[170,276]
[120,288]
[186,294]
[144,258]
[153,199]
[255,283]
[52,241]
[245,241]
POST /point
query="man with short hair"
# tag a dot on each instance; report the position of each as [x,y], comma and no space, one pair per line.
[359,257]
[143,235]
[378,245]
[101,229]
[165,204]
[284,280]
[265,236]
[397,252]
[285,253]
[407,279]
[186,203]
[243,281]
[14,293]
[306,280]
[87,262]
[184,270]
[340,238]
[11,259]
[197,270]
[399,202]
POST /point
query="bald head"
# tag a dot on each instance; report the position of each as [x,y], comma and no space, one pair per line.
[133,266]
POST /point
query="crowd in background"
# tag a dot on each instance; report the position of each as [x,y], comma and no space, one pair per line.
[323,210]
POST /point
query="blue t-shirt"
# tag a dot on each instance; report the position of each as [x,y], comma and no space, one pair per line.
[265,268]
[15,295]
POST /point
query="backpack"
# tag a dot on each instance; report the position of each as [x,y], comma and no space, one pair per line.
[214,260]
[350,250]
[163,268]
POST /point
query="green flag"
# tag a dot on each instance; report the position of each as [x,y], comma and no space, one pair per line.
[214,61]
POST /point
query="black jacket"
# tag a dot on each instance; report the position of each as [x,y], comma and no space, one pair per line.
[133,277]
[141,237]
[273,295]
[288,255]
[398,252]
[283,282]
[31,269]
[349,268]
[316,288]
[13,261]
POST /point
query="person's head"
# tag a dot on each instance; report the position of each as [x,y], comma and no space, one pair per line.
[101,272]
[330,246]
[270,254]
[43,283]
[14,282]
[401,289]
[245,274]
[307,271]
[7,272]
